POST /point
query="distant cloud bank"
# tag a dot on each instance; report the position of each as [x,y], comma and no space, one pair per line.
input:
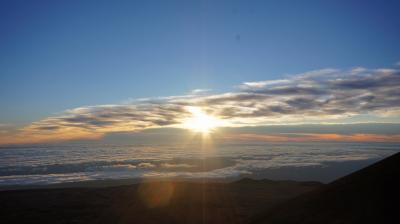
[326,95]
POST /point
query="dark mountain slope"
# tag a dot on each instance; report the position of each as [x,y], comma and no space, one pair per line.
[150,202]
[370,195]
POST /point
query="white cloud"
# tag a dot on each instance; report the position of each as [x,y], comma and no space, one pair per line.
[262,84]
[146,165]
[200,91]
[176,165]
[315,96]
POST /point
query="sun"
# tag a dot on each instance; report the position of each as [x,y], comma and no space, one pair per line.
[201,122]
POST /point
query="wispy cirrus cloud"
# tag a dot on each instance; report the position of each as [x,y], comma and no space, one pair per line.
[315,96]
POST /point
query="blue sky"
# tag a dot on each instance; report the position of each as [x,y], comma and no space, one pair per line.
[57,55]
[78,66]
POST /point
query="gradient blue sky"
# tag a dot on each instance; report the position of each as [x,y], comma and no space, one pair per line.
[56,55]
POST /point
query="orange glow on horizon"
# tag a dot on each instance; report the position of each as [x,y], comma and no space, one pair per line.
[304,137]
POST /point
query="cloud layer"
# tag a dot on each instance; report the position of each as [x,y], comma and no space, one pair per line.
[311,97]
[297,161]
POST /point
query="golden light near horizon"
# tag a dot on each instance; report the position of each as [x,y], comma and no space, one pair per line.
[201,122]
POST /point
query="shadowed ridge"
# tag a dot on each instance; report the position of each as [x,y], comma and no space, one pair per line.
[147,202]
[248,180]
[370,195]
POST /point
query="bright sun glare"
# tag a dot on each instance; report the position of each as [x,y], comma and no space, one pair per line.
[201,121]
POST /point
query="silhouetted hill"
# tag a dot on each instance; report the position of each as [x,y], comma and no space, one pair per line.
[150,202]
[370,195]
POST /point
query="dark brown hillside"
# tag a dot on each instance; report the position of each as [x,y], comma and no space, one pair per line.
[370,195]
[151,202]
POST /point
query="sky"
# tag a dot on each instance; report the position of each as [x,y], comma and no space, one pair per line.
[86,69]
